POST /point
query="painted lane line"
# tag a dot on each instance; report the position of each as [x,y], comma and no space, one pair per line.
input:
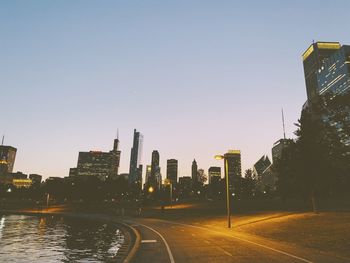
[149,241]
[206,241]
[165,243]
[245,240]
[193,235]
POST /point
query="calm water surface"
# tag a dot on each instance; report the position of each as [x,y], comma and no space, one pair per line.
[56,239]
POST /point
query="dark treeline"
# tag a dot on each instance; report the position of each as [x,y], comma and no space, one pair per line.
[317,164]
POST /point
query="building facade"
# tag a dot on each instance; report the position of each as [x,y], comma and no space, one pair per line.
[334,73]
[233,158]
[97,163]
[313,60]
[214,174]
[194,174]
[7,158]
[171,170]
[135,159]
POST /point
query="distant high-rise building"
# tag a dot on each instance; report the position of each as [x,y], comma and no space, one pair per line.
[7,158]
[98,163]
[148,174]
[36,178]
[171,171]
[313,60]
[214,174]
[115,157]
[233,158]
[135,157]
[94,163]
[260,166]
[278,148]
[155,170]
[154,163]
[334,73]
[194,173]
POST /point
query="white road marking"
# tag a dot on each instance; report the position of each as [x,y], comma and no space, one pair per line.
[206,241]
[193,235]
[245,240]
[165,243]
[148,241]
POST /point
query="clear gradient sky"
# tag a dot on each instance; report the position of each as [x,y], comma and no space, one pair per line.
[195,77]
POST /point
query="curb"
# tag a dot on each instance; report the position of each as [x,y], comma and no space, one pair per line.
[136,245]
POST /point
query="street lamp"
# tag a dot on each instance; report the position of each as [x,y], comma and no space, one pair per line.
[220,157]
[151,189]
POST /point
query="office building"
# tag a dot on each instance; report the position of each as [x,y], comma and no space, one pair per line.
[155,170]
[278,147]
[334,73]
[194,173]
[98,163]
[148,174]
[171,170]
[135,159]
[214,174]
[36,178]
[233,158]
[7,158]
[313,60]
[260,166]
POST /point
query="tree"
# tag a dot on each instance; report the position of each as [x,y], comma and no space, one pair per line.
[313,165]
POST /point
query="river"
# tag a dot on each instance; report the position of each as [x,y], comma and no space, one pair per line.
[57,239]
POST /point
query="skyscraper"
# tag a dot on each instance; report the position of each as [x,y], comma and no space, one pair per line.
[233,158]
[135,158]
[214,174]
[334,73]
[155,170]
[194,173]
[7,158]
[171,171]
[98,163]
[115,157]
[313,59]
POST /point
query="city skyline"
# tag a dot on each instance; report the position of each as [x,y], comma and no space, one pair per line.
[71,83]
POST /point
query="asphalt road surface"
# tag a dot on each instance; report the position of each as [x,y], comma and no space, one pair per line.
[165,241]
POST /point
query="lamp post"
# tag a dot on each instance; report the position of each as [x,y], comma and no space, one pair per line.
[220,157]
[168,182]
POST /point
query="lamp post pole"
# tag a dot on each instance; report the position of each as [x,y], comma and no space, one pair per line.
[227,195]
[220,157]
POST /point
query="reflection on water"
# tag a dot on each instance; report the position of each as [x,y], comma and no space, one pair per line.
[54,239]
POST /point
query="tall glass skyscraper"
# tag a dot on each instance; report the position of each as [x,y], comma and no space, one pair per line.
[135,158]
[313,59]
[334,73]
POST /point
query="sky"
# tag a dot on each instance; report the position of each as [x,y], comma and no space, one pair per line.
[196,78]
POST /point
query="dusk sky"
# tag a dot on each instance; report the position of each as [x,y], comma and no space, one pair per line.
[196,78]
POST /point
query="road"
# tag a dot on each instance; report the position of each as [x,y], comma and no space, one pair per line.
[167,241]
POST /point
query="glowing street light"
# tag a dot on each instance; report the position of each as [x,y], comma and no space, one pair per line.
[220,157]
[150,189]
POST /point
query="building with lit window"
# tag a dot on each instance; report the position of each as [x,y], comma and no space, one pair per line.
[98,163]
[7,158]
[233,158]
[214,174]
[313,59]
[334,74]
[171,170]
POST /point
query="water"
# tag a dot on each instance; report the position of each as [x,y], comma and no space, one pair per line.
[57,239]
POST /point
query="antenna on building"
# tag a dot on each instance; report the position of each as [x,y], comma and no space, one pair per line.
[284,128]
[2,141]
[117,133]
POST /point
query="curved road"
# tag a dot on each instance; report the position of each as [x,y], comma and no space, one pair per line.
[167,241]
